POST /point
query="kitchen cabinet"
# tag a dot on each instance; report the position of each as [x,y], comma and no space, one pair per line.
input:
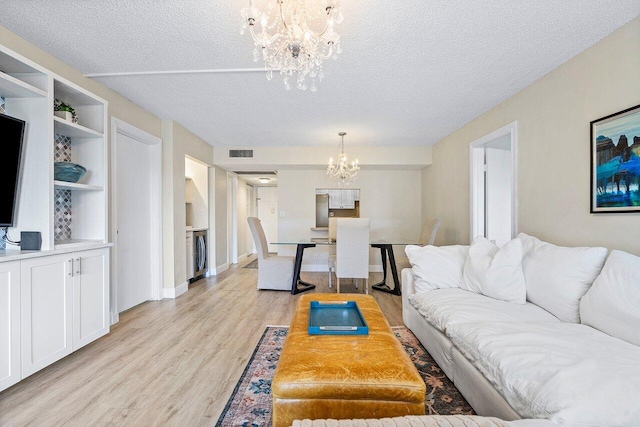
[90,296]
[46,311]
[343,199]
[9,324]
[64,305]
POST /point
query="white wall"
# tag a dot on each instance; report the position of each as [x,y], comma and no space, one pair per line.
[553,116]
[391,198]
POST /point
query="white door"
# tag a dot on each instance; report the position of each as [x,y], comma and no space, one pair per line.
[90,296]
[134,208]
[268,214]
[9,324]
[498,194]
[46,286]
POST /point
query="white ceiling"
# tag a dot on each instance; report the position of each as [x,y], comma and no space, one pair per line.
[412,71]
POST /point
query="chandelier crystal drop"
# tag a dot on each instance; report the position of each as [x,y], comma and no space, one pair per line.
[343,171]
[295,37]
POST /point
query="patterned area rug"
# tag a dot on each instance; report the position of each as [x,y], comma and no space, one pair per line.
[250,402]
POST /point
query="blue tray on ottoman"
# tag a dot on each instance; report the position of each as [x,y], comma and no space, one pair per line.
[336,318]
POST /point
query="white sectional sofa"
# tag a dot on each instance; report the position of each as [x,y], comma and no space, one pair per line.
[570,353]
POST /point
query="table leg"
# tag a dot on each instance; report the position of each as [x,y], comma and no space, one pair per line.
[298,286]
[382,286]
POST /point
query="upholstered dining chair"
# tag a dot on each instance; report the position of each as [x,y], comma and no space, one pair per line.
[274,272]
[427,237]
[429,231]
[352,250]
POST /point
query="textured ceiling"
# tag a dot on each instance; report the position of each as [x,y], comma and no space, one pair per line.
[412,71]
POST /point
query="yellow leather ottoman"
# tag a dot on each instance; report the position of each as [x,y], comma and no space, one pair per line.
[344,376]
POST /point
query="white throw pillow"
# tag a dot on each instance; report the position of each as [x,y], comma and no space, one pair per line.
[612,305]
[558,277]
[436,267]
[495,272]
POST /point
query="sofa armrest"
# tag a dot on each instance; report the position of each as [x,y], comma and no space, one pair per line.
[407,282]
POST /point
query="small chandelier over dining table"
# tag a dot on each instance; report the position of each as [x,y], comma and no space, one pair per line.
[294,36]
[343,171]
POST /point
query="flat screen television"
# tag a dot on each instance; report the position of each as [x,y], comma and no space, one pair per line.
[11,138]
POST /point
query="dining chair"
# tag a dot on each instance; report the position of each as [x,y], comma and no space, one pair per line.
[274,272]
[427,237]
[352,250]
[429,231]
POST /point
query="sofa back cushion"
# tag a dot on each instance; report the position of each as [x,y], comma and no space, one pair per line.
[436,267]
[612,305]
[495,272]
[558,277]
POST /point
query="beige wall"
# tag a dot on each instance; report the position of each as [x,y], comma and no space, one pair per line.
[218,223]
[391,198]
[243,211]
[553,116]
[178,143]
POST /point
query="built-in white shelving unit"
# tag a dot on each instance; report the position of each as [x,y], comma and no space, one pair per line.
[56,300]
[75,186]
[29,91]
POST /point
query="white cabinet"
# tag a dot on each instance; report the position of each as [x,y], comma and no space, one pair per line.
[90,296]
[9,324]
[46,311]
[343,199]
[64,305]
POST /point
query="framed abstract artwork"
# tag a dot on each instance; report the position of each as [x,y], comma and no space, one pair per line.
[615,162]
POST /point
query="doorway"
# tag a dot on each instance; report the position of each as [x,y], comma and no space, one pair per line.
[268,214]
[137,209]
[493,163]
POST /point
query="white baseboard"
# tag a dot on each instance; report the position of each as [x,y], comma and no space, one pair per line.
[242,257]
[319,268]
[114,318]
[219,269]
[177,291]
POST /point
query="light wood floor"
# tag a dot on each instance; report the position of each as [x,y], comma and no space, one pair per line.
[170,362]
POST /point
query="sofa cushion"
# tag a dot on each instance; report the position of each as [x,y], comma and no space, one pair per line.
[612,305]
[495,272]
[558,277]
[569,373]
[445,307]
[436,267]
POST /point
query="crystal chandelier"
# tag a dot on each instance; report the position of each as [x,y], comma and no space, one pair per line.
[342,171]
[295,36]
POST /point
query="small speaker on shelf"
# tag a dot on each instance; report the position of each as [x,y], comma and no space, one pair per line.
[30,240]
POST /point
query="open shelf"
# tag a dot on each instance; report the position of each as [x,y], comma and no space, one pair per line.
[73,130]
[10,87]
[75,242]
[75,186]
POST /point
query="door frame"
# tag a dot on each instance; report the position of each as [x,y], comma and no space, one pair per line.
[155,222]
[476,175]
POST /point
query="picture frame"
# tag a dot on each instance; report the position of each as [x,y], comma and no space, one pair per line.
[615,162]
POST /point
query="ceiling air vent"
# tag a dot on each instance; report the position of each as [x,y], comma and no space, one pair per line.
[240,153]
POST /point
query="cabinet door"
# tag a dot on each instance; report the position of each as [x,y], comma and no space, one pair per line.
[46,310]
[335,199]
[90,296]
[9,324]
[348,199]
